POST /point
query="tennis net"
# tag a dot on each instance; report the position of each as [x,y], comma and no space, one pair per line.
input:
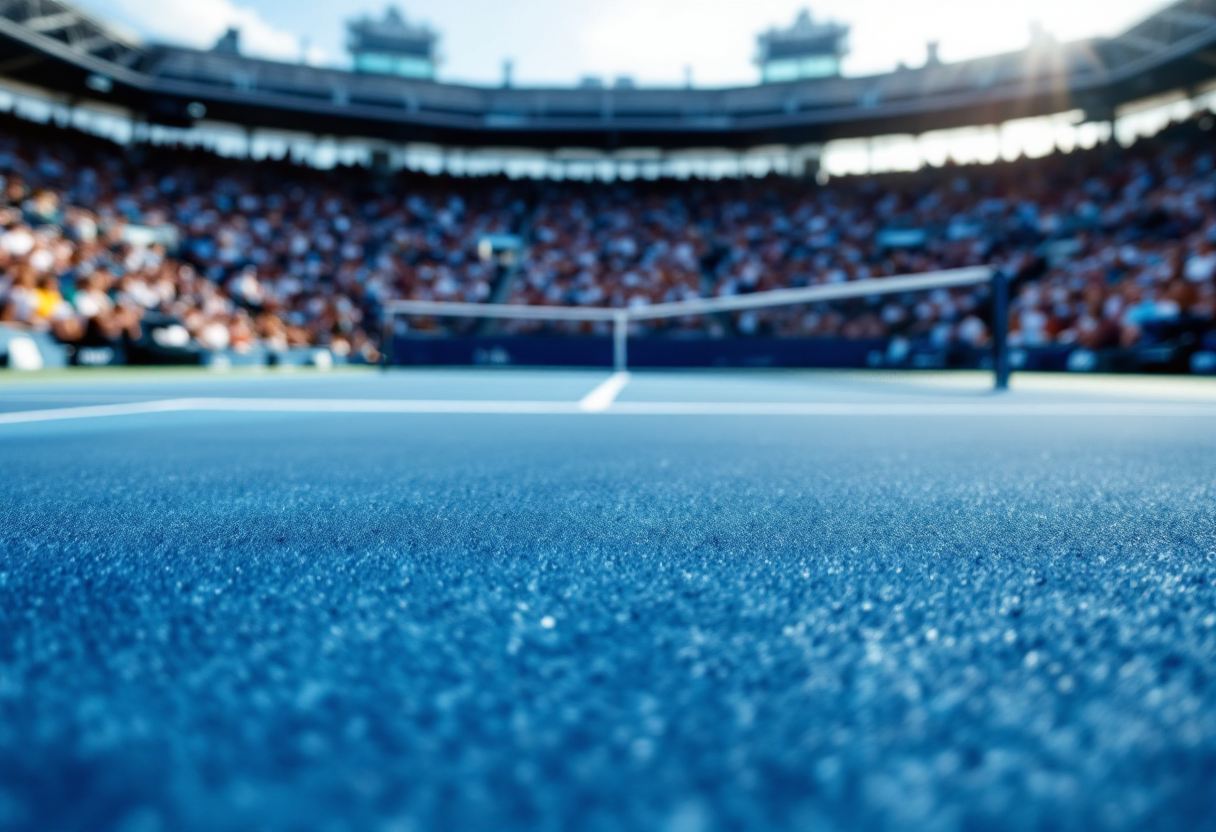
[785,310]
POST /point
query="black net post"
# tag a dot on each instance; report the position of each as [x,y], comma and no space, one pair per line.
[1000,329]
[387,331]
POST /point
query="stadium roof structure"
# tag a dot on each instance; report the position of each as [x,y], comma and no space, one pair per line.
[51,44]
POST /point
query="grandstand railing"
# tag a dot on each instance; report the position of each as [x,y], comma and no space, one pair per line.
[621,318]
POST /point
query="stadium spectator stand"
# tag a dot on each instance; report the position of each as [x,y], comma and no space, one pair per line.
[160,252]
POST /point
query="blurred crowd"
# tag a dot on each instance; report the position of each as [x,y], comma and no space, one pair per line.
[97,239]
[1108,247]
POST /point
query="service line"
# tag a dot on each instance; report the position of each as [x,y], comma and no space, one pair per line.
[599,403]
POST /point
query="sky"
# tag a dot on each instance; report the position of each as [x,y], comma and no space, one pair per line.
[651,41]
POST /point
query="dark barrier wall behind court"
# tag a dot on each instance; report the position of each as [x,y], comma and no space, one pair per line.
[539,351]
[643,352]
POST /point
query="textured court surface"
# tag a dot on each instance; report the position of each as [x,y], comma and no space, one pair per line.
[912,605]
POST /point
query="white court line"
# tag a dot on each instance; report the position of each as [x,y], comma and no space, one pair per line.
[379,406]
[897,409]
[94,411]
[911,409]
[602,397]
[390,406]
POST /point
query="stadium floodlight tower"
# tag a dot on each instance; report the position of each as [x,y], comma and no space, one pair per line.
[391,46]
[805,50]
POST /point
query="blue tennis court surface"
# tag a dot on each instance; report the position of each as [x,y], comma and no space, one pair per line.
[469,600]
